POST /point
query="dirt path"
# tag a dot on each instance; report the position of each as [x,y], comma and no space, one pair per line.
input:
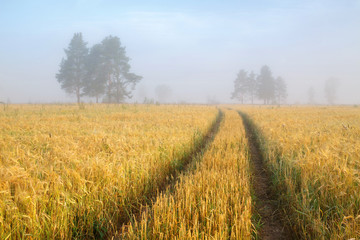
[266,204]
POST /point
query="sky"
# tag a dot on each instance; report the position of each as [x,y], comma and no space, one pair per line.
[194,48]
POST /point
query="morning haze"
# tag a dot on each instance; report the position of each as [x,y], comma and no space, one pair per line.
[186,51]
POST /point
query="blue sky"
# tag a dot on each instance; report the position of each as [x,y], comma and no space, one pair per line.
[194,47]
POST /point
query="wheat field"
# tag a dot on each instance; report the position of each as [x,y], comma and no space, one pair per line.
[69,173]
[213,202]
[314,154]
[127,171]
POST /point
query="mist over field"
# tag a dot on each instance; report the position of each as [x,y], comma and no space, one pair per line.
[179,119]
[186,51]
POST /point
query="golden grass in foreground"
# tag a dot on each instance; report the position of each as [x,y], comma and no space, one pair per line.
[315,155]
[213,202]
[69,173]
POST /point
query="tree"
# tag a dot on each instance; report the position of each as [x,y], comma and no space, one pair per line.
[311,96]
[141,93]
[266,86]
[263,86]
[96,79]
[119,81]
[240,86]
[72,73]
[251,86]
[212,100]
[163,93]
[330,90]
[280,90]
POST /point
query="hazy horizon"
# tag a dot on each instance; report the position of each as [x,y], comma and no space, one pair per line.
[194,48]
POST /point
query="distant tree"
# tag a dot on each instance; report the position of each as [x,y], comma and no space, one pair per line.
[280,90]
[149,101]
[262,86]
[266,86]
[72,73]
[96,78]
[141,93]
[330,90]
[240,86]
[212,100]
[119,81]
[251,86]
[311,96]
[163,92]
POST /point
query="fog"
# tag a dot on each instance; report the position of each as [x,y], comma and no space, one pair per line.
[192,49]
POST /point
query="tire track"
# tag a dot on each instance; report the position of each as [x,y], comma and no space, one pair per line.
[172,178]
[266,202]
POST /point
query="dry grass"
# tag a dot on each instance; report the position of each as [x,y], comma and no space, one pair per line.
[213,202]
[315,156]
[69,172]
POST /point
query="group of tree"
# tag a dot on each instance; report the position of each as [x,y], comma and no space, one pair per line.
[330,91]
[263,86]
[101,71]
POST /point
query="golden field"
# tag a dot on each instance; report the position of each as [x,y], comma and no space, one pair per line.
[176,171]
[77,172]
[314,154]
[213,202]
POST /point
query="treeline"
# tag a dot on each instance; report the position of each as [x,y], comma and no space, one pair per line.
[263,86]
[103,71]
